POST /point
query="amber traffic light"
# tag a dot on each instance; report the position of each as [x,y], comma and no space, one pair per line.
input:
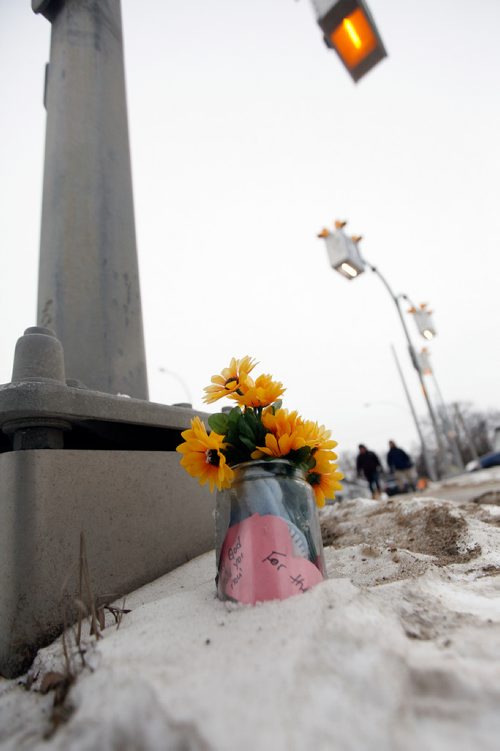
[350,30]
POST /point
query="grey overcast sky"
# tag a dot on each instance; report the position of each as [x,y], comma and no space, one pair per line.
[247,137]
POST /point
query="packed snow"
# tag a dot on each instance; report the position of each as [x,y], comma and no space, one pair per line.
[398,649]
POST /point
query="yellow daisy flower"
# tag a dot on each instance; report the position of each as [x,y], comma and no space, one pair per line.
[324,477]
[261,393]
[278,446]
[284,435]
[317,436]
[202,457]
[281,421]
[231,380]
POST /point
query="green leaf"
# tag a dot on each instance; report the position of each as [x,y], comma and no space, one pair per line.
[248,443]
[251,419]
[234,415]
[300,456]
[276,405]
[310,463]
[246,430]
[218,422]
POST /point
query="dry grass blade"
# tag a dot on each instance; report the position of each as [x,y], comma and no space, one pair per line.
[117,612]
[80,588]
[85,582]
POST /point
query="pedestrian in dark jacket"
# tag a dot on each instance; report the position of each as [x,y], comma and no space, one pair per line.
[400,463]
[368,463]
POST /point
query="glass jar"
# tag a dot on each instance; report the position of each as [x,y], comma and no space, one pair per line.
[268,537]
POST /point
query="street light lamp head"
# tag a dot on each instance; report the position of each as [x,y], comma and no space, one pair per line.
[343,252]
[423,319]
[349,271]
[349,29]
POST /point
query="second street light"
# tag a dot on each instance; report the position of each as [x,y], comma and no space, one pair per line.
[362,263]
[423,319]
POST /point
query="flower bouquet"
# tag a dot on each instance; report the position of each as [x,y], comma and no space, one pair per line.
[269,466]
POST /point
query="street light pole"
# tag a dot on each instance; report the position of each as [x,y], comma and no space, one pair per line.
[425,454]
[416,365]
[180,380]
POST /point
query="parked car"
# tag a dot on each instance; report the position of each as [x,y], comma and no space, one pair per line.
[390,485]
[350,489]
[492,459]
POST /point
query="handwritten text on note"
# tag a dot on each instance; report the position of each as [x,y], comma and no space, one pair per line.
[257,562]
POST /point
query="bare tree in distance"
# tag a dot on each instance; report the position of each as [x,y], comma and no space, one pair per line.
[473,430]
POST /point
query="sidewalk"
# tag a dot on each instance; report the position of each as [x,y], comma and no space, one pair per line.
[467,487]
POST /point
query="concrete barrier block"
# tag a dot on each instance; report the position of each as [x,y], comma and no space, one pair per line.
[141,516]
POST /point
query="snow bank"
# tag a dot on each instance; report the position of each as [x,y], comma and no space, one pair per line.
[399,649]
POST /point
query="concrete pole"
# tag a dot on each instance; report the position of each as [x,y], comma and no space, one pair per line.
[89,283]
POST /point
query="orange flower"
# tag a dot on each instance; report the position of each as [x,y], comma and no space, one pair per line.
[202,457]
[278,446]
[324,477]
[281,421]
[231,380]
[284,435]
[317,436]
[261,393]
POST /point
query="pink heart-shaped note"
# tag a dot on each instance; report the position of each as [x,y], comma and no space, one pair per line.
[257,562]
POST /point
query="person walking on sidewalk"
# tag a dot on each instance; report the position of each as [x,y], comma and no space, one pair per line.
[368,463]
[400,463]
